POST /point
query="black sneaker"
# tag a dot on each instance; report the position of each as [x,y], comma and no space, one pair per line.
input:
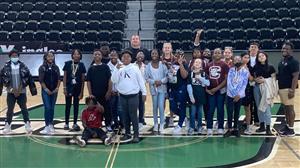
[236,133]
[282,130]
[227,134]
[260,130]
[144,123]
[136,140]
[288,133]
[125,138]
[66,127]
[75,127]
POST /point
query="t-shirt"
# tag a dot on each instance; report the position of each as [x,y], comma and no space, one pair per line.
[263,70]
[92,117]
[286,68]
[136,50]
[49,74]
[216,72]
[198,88]
[252,61]
[79,69]
[99,76]
[174,76]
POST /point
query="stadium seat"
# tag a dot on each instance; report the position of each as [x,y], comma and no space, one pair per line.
[51,6]
[40,35]
[184,14]
[161,5]
[220,13]
[173,5]
[116,35]
[119,15]
[266,4]
[292,32]
[274,22]
[66,36]
[184,5]
[71,15]
[210,24]
[225,34]
[233,13]
[196,14]
[295,12]
[62,6]
[69,25]
[161,14]
[296,43]
[60,15]
[83,15]
[81,25]
[107,15]
[11,16]
[235,23]
[186,34]
[287,22]
[265,33]
[207,4]
[197,24]
[176,44]
[54,36]
[7,26]
[23,15]
[4,35]
[91,35]
[15,6]
[186,45]
[161,24]
[77,45]
[267,44]
[297,21]
[173,14]
[271,12]
[97,6]
[238,33]
[86,6]
[57,25]
[219,4]
[291,4]
[212,44]
[279,43]
[106,25]
[94,25]
[258,13]
[40,6]
[223,23]
[185,24]
[108,6]
[246,13]
[121,6]
[226,43]
[208,14]
[252,33]
[278,33]
[28,36]
[44,25]
[262,23]
[2,16]
[174,34]
[15,36]
[48,15]
[240,44]
[278,3]
[36,15]
[95,15]
[174,24]
[211,34]
[4,6]
[79,35]
[20,26]
[242,4]
[162,35]
[74,6]
[104,35]
[249,23]
[253,4]
[118,25]
[283,12]
[196,5]
[28,6]
[116,45]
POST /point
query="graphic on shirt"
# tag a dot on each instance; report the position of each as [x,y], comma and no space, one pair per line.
[214,72]
[92,117]
[124,75]
[172,75]
[196,79]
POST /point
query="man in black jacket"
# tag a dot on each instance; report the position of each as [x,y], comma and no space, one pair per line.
[16,76]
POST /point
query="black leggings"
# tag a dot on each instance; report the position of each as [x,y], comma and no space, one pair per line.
[68,108]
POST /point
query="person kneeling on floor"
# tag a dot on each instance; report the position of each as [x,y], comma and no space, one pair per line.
[91,120]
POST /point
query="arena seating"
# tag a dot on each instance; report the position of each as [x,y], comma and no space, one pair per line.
[228,22]
[80,24]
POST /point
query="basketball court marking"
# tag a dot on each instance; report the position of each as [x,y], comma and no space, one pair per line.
[291,149]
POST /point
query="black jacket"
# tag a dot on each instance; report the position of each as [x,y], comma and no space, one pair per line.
[25,75]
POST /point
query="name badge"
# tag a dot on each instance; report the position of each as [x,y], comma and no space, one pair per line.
[73,81]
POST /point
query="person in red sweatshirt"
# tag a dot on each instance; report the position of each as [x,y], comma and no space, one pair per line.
[91,120]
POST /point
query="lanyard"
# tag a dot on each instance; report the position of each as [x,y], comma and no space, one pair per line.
[74,68]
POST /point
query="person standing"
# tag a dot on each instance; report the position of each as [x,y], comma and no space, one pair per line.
[73,82]
[99,85]
[129,81]
[288,73]
[135,47]
[49,77]
[16,76]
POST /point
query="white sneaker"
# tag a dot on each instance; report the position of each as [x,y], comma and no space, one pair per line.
[248,131]
[141,126]
[107,141]
[161,128]
[45,131]
[28,127]
[200,130]
[209,132]
[51,129]
[7,128]
[215,125]
[187,124]
[155,128]
[191,131]
[220,131]
[171,122]
[177,130]
[79,141]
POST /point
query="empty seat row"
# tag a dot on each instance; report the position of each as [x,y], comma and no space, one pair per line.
[62,5]
[61,15]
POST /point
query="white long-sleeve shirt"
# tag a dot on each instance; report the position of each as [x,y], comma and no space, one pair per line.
[129,80]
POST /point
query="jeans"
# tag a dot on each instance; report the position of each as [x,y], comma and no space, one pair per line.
[178,102]
[88,133]
[49,105]
[21,101]
[196,109]
[233,108]
[129,104]
[216,100]
[141,108]
[115,109]
[263,116]
[68,108]
[158,102]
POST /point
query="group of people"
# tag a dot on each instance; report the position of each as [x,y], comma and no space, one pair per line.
[116,85]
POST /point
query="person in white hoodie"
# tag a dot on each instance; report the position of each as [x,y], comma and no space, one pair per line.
[129,82]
